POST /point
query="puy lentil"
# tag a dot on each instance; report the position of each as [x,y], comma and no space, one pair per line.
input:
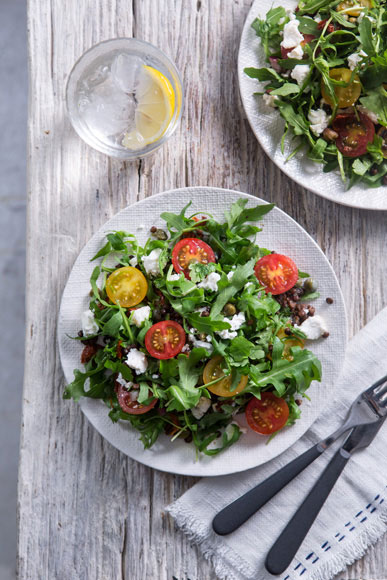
[325,335]
[384,180]
[329,300]
[153,229]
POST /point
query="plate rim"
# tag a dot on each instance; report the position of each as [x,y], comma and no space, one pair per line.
[277,163]
[146,459]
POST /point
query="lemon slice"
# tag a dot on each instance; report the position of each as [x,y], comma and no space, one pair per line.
[156,104]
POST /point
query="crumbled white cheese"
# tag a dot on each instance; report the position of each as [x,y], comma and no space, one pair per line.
[173,277]
[199,343]
[185,347]
[235,322]
[314,327]
[370,114]
[140,315]
[292,36]
[319,120]
[120,380]
[317,18]
[281,20]
[269,101]
[231,274]
[290,14]
[210,282]
[209,338]
[137,360]
[133,261]
[201,408]
[360,17]
[300,72]
[297,52]
[155,376]
[201,309]
[89,325]
[355,58]
[151,262]
[249,284]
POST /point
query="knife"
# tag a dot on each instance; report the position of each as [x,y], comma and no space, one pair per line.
[287,544]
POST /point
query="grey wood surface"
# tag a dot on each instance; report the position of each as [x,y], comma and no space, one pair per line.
[85,510]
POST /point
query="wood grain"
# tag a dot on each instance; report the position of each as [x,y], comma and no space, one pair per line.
[85,510]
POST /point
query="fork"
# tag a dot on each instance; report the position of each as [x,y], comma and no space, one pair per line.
[369,407]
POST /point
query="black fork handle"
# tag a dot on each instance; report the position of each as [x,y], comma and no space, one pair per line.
[287,544]
[236,513]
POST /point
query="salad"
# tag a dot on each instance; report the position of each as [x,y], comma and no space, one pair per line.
[197,327]
[327,78]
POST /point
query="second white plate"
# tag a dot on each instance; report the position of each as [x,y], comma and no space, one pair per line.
[268,126]
[280,233]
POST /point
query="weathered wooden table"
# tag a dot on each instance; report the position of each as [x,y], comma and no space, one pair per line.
[85,510]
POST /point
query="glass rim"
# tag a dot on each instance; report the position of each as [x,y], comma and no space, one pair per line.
[122,153]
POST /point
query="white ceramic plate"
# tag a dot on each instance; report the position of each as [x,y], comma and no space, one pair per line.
[268,126]
[280,233]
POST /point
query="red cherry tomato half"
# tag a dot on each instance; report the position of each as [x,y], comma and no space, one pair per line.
[276,272]
[127,400]
[354,134]
[190,250]
[268,414]
[165,339]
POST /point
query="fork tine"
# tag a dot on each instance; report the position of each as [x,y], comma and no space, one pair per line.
[380,390]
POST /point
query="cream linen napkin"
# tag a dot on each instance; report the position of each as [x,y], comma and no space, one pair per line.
[353,517]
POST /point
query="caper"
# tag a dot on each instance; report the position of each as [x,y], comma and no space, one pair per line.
[160,234]
[299,283]
[229,309]
[310,285]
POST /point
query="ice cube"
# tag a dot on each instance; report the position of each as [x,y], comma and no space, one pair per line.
[126,70]
[107,110]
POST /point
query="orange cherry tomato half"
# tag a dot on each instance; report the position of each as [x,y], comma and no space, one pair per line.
[268,414]
[289,342]
[127,400]
[126,286]
[191,250]
[212,371]
[276,272]
[165,339]
[354,134]
[346,96]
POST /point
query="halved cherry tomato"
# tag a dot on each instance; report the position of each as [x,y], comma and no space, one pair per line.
[126,286]
[347,6]
[289,342]
[307,39]
[268,414]
[127,400]
[191,250]
[276,272]
[212,371]
[165,339]
[346,96]
[383,134]
[354,134]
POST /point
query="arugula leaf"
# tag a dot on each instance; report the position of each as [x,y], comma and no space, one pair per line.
[302,370]
[199,271]
[113,325]
[177,222]
[286,89]
[239,279]
[375,149]
[376,102]
[263,74]
[207,324]
[242,349]
[366,36]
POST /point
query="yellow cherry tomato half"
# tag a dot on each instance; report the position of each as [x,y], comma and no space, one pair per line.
[212,371]
[289,343]
[126,286]
[346,96]
[349,6]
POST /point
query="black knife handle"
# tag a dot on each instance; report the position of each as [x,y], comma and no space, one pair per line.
[236,513]
[286,546]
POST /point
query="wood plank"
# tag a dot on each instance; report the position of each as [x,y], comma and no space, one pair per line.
[85,510]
